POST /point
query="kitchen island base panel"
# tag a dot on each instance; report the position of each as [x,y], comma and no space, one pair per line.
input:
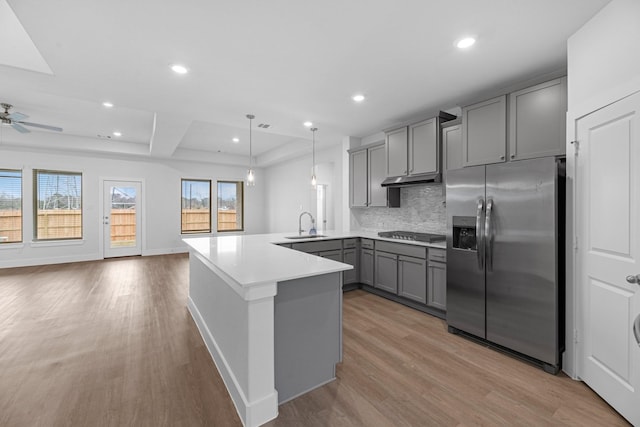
[271,346]
[239,337]
[308,333]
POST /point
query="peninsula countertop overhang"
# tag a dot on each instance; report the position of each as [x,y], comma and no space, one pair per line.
[256,259]
[253,260]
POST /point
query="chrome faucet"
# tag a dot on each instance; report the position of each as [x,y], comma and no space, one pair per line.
[313,221]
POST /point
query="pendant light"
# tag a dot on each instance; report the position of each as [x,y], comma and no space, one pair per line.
[251,179]
[314,181]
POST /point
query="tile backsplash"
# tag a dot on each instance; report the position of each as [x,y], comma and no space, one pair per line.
[422,209]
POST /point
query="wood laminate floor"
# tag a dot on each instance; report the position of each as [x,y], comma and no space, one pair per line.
[111,343]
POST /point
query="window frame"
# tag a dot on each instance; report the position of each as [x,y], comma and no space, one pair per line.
[239,184]
[182,180]
[36,207]
[21,206]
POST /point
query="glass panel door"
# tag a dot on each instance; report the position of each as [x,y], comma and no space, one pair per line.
[121,218]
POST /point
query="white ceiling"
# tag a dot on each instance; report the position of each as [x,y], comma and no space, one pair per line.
[286,61]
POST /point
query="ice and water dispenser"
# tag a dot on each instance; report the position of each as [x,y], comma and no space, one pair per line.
[464,233]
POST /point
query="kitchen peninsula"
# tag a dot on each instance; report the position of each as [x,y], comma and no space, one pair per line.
[270,316]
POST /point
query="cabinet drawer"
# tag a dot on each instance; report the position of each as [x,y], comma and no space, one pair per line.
[437,255]
[401,249]
[325,245]
[366,244]
[350,243]
[334,255]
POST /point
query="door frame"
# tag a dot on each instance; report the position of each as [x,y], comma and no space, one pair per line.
[142,205]
[578,245]
[571,360]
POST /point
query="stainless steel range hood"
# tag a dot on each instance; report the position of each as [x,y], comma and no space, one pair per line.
[402,181]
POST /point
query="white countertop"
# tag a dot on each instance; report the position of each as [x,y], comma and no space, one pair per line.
[257,259]
[254,259]
[330,235]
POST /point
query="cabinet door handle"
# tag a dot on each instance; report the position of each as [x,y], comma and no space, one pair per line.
[513,156]
[501,157]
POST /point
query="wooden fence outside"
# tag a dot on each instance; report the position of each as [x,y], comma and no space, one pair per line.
[198,219]
[10,226]
[64,224]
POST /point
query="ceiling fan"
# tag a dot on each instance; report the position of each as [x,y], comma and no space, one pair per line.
[15,120]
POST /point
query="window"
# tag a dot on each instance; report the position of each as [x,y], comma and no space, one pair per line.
[58,205]
[196,206]
[10,206]
[230,206]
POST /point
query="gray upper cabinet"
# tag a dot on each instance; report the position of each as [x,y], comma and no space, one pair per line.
[452,146]
[537,120]
[376,161]
[423,147]
[367,170]
[484,132]
[358,178]
[396,150]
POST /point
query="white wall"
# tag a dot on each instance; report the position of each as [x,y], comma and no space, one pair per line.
[603,61]
[603,67]
[161,194]
[288,190]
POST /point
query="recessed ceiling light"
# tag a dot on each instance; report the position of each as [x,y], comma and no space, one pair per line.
[236,140]
[179,69]
[358,98]
[308,124]
[107,104]
[465,42]
[116,133]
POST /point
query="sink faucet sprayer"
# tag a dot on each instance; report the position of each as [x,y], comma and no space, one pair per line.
[312,230]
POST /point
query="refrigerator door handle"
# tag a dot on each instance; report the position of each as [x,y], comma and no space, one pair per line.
[479,237]
[488,236]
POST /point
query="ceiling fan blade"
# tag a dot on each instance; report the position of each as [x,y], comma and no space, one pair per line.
[19,128]
[38,125]
[17,116]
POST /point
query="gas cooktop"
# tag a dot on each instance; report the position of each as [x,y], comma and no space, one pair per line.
[413,236]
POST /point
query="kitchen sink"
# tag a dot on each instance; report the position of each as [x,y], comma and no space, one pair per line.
[313,236]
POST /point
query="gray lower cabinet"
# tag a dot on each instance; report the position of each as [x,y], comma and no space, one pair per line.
[412,278]
[335,255]
[317,247]
[366,266]
[350,255]
[386,271]
[437,279]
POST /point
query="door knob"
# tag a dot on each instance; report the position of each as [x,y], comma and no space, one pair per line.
[633,279]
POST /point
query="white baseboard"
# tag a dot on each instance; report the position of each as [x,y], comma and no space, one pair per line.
[19,261]
[28,262]
[165,251]
[252,414]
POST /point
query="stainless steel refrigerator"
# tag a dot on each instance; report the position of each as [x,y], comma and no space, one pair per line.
[505,252]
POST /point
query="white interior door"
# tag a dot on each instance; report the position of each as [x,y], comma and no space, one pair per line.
[122,218]
[608,219]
